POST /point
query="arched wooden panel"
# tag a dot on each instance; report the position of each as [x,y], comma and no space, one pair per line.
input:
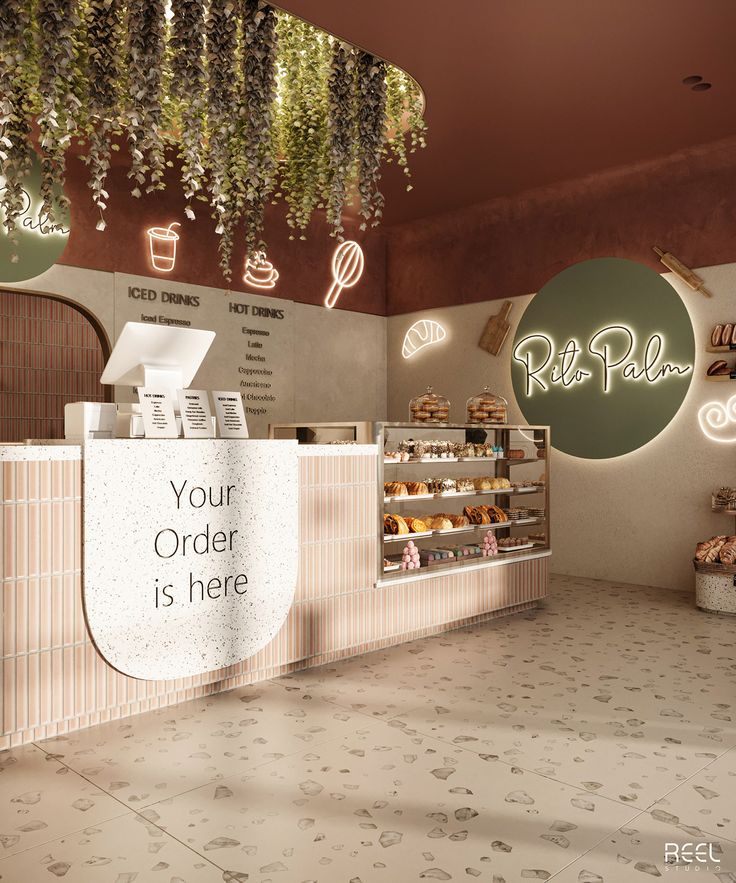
[51,353]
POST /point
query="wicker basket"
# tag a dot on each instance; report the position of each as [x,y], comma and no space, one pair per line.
[715,587]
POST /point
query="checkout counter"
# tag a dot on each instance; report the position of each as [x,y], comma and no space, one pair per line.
[141,573]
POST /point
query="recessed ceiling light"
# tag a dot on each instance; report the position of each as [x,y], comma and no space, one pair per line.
[701,87]
[691,81]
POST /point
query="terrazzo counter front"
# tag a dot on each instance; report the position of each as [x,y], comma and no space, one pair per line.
[54,678]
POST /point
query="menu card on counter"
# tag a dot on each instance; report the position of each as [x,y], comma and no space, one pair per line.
[230,415]
[157,410]
[196,416]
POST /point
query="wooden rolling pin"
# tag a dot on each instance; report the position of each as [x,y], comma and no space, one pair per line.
[682,272]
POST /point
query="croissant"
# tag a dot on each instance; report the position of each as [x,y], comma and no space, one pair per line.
[416,525]
[715,551]
[394,524]
[438,522]
[702,550]
[457,520]
[728,551]
[477,515]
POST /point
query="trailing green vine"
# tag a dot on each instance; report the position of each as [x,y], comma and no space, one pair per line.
[104,56]
[371,120]
[260,106]
[256,161]
[16,152]
[341,125]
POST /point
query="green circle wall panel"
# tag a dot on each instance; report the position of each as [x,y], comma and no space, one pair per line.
[36,251]
[604,354]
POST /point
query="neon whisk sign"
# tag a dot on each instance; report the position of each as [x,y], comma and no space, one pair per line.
[347,268]
[613,359]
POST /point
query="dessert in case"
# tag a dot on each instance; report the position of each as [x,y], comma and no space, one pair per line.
[429,408]
[487,408]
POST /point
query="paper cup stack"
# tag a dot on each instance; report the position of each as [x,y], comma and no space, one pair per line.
[490,545]
[410,557]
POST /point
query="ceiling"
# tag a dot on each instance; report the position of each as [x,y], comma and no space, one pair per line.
[523,93]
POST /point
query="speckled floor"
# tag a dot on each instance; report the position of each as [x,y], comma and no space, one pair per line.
[569,743]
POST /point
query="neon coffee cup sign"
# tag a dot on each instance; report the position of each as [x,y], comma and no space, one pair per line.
[604,354]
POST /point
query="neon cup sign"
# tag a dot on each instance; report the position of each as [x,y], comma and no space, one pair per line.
[604,355]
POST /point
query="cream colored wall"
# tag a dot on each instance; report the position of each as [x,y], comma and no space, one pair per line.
[340,365]
[632,519]
[337,363]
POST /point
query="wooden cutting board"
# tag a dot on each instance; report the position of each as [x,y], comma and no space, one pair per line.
[496,330]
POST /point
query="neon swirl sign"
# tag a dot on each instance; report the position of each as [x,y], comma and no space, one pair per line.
[714,416]
[613,345]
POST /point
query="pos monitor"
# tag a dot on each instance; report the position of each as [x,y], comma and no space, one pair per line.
[156,355]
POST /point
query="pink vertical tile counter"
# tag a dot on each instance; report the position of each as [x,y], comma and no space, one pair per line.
[55,681]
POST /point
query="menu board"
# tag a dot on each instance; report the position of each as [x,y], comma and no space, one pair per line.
[252,352]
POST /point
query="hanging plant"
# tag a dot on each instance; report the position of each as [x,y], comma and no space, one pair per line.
[304,160]
[341,124]
[187,84]
[104,35]
[371,121]
[57,20]
[248,96]
[16,152]
[146,44]
[256,164]
[221,45]
[404,109]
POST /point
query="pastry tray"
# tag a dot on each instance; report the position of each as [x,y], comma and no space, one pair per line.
[392,567]
[408,498]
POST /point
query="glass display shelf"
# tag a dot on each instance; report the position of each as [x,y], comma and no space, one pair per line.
[531,444]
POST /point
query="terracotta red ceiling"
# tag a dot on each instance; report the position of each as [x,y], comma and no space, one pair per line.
[522,93]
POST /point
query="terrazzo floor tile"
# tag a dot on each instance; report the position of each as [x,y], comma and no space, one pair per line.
[380,805]
[620,755]
[708,799]
[150,756]
[123,851]
[635,854]
[41,799]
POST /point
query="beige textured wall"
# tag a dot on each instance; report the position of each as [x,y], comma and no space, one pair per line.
[336,367]
[635,518]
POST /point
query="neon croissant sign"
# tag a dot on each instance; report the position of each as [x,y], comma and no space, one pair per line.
[617,357]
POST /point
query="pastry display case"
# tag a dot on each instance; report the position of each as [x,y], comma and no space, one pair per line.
[429,408]
[460,495]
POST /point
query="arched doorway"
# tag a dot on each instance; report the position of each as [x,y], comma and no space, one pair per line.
[51,353]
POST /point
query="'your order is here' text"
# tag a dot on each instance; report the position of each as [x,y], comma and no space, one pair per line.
[202,547]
